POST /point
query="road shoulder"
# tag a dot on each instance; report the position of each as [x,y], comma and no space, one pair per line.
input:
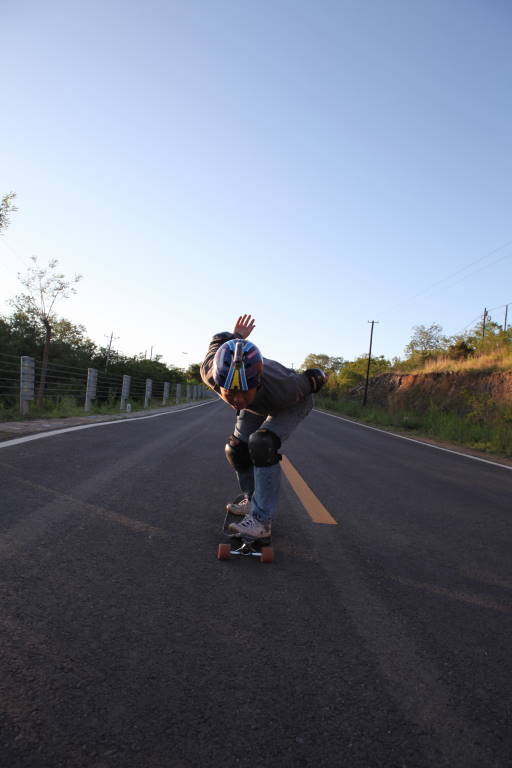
[420,438]
[13,429]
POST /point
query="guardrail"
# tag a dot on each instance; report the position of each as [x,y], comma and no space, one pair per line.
[20,376]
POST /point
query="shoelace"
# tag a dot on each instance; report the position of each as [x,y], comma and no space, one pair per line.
[248,522]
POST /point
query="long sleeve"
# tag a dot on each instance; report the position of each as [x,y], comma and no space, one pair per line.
[280,387]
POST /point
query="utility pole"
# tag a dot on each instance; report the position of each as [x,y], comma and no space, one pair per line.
[109,348]
[506,313]
[369,361]
[483,324]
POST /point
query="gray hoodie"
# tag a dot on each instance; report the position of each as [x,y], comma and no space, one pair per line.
[280,387]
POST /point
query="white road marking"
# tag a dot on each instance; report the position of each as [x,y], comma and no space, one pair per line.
[413,440]
[53,432]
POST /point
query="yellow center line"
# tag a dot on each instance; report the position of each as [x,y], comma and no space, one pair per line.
[129,522]
[482,601]
[309,501]
[101,512]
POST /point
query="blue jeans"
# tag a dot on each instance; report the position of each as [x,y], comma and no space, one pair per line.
[261,484]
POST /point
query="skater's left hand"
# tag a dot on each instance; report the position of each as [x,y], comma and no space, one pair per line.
[243,326]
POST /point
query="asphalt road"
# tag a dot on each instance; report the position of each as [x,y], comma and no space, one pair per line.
[383,640]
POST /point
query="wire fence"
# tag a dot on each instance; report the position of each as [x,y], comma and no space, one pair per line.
[60,381]
[9,378]
[25,387]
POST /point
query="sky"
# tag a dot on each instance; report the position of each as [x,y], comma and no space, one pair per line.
[315,163]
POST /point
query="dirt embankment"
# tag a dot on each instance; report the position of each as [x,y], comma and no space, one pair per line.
[458,392]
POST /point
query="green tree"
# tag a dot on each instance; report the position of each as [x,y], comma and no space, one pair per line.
[460,348]
[426,342]
[6,208]
[324,362]
[20,335]
[70,345]
[139,366]
[354,372]
[43,288]
[193,373]
[489,338]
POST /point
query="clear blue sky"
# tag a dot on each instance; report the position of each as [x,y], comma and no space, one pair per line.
[315,163]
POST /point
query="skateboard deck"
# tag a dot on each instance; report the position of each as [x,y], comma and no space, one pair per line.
[243,546]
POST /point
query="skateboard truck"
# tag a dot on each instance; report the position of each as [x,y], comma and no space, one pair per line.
[248,548]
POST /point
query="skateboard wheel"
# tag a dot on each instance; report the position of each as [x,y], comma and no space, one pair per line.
[223,552]
[267,555]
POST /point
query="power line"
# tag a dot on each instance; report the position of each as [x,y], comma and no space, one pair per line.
[485,266]
[472,321]
[14,252]
[487,315]
[467,266]
[500,306]
[429,288]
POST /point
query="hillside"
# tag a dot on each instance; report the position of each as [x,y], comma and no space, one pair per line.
[458,392]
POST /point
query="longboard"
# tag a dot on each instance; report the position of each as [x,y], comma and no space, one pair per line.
[243,546]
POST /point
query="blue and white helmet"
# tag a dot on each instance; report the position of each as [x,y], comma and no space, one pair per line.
[238,364]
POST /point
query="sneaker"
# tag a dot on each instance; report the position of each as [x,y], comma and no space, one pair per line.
[240,506]
[251,528]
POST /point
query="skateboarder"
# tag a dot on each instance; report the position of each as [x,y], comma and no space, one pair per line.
[270,402]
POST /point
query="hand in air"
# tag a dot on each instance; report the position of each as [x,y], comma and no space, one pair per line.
[244,326]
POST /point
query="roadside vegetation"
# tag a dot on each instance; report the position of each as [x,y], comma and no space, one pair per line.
[63,352]
[473,414]
[476,430]
[69,353]
[67,405]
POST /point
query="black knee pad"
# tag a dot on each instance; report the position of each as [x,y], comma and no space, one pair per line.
[263,447]
[237,453]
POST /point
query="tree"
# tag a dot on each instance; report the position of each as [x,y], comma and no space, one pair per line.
[71,345]
[324,362]
[43,288]
[20,335]
[193,372]
[425,341]
[6,208]
[460,348]
[489,338]
[346,374]
[354,372]
[138,367]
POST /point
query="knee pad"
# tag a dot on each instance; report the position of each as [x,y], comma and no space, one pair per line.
[237,453]
[263,447]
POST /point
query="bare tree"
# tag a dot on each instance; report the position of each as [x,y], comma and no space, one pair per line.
[6,208]
[44,286]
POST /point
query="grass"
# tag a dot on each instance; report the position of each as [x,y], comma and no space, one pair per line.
[67,406]
[500,360]
[490,436]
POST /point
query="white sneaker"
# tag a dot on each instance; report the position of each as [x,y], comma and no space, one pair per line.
[240,507]
[251,528]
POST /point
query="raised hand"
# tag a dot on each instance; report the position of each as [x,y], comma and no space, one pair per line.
[244,326]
